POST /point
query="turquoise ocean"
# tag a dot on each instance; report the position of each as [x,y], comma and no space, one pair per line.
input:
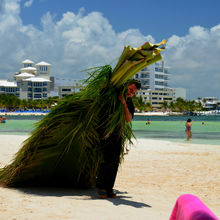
[171,128]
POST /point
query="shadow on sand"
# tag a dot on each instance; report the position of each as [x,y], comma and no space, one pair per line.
[82,194]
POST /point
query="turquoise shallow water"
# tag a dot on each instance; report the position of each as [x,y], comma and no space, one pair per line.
[170,128]
[21,127]
[209,133]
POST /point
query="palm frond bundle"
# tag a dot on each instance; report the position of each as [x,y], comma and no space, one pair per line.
[64,148]
[133,60]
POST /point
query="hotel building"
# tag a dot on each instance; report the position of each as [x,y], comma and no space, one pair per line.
[154,85]
[33,82]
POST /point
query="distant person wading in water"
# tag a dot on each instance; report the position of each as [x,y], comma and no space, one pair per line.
[3,119]
[148,121]
[188,129]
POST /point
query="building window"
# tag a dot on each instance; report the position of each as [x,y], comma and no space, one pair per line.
[45,95]
[37,90]
[44,83]
[29,83]
[43,68]
[144,75]
[44,89]
[159,83]
[27,65]
[38,84]
[30,89]
[10,89]
[66,90]
[29,95]
[158,69]
[145,82]
[165,70]
[158,76]
[37,95]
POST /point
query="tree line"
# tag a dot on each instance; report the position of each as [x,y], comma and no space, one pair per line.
[12,103]
[180,105]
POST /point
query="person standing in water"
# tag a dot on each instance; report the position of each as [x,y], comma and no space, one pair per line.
[148,121]
[188,129]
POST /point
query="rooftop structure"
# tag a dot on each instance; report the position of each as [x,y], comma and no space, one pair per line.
[36,79]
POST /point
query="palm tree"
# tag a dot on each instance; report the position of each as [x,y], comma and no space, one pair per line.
[171,106]
[164,106]
[180,104]
[149,107]
[9,101]
[139,103]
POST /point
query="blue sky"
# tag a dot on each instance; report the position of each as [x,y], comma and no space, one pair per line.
[75,35]
[161,19]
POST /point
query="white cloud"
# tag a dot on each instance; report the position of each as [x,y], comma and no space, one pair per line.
[78,41]
[28,3]
[72,44]
[194,61]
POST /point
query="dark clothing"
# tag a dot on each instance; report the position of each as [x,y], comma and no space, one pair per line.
[130,106]
[111,148]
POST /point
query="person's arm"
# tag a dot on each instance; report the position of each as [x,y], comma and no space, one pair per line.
[128,116]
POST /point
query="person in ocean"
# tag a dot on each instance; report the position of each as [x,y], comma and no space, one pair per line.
[3,119]
[188,131]
[148,121]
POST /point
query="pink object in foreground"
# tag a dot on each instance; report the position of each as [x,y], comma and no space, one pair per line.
[190,207]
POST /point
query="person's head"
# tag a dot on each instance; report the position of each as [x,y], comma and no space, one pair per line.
[133,87]
[189,120]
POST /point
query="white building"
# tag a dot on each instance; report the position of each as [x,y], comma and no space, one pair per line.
[210,103]
[33,82]
[67,87]
[7,87]
[67,90]
[154,84]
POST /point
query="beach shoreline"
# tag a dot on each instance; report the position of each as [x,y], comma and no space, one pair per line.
[22,113]
[136,113]
[158,113]
[150,179]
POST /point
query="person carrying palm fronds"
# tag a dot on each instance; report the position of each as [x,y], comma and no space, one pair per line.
[111,146]
[65,148]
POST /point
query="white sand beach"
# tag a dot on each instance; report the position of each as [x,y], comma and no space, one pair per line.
[151,178]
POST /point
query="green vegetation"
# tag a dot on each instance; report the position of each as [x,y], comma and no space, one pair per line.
[180,105]
[13,103]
